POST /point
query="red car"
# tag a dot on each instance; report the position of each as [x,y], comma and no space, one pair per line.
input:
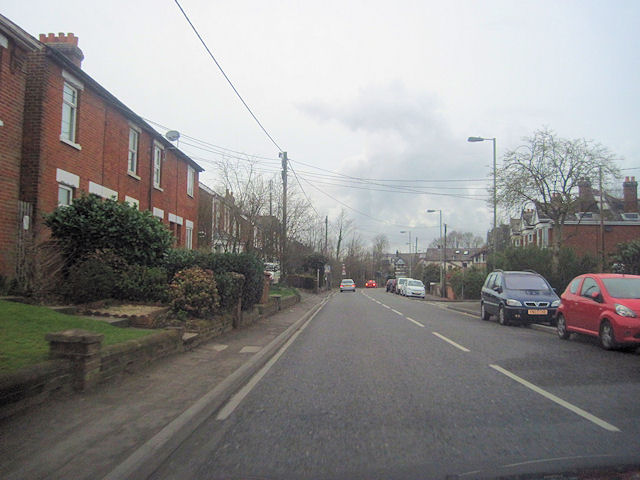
[604,305]
[370,284]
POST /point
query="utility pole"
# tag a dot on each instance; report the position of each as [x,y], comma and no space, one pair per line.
[444,256]
[283,241]
[602,259]
[326,234]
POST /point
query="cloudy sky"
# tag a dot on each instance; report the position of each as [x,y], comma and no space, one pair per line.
[382,91]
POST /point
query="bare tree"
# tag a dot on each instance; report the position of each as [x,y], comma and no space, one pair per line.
[343,226]
[546,171]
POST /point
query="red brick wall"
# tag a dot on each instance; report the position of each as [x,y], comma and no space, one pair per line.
[103,134]
[586,238]
[12,94]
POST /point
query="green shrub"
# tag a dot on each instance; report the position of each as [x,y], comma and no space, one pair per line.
[91,223]
[469,281]
[246,264]
[229,288]
[90,280]
[145,284]
[193,292]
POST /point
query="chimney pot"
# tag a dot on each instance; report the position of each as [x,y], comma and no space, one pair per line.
[67,44]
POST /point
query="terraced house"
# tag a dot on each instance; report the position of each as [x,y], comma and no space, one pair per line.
[77,137]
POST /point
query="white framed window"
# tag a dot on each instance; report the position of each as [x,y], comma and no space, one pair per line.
[69,113]
[158,154]
[191,177]
[134,137]
[65,195]
[188,234]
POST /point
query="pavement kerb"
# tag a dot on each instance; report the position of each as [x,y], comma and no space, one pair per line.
[534,326]
[148,457]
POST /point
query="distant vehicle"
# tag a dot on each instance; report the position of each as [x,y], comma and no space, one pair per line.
[347,285]
[370,284]
[414,288]
[521,297]
[391,285]
[273,269]
[402,281]
[603,305]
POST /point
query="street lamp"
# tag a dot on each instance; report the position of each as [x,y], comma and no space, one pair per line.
[495,215]
[442,267]
[409,232]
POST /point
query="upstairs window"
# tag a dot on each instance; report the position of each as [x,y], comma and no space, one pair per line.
[69,113]
[191,177]
[134,136]
[158,154]
[65,195]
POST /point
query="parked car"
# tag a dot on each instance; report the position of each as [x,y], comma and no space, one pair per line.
[522,297]
[402,281]
[391,285]
[603,305]
[370,284]
[347,285]
[414,288]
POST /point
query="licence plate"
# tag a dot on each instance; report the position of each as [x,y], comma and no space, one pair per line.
[537,312]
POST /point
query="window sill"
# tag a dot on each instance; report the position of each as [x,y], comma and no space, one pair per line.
[132,174]
[158,188]
[190,194]
[70,143]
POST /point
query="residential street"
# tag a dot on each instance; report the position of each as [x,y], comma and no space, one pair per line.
[380,386]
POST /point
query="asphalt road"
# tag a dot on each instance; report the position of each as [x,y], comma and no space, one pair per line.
[380,386]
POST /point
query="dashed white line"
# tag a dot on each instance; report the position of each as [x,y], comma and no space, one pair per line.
[396,311]
[451,342]
[414,321]
[386,306]
[577,410]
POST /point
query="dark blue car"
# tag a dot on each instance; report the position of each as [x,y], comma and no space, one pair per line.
[521,297]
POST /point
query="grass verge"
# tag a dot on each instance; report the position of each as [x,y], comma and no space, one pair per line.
[284,291]
[23,327]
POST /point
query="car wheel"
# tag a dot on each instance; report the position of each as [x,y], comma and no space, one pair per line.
[607,337]
[484,315]
[561,328]
[502,320]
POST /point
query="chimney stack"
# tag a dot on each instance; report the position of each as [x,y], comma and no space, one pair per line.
[65,44]
[630,194]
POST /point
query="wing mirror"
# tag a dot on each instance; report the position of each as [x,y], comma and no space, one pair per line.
[596,296]
[498,289]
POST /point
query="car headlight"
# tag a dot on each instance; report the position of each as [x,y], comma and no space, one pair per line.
[555,304]
[513,303]
[624,311]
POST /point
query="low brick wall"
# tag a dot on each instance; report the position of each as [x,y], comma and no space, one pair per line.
[134,355]
[62,376]
[33,385]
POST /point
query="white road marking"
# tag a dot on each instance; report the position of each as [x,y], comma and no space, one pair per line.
[250,349]
[578,411]
[414,321]
[457,345]
[234,401]
[396,311]
[386,306]
[219,347]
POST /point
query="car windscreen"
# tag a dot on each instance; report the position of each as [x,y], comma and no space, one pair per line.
[525,282]
[415,283]
[622,287]
[347,282]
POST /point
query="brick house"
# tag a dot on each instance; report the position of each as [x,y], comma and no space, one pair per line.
[77,137]
[619,218]
[223,227]
[15,45]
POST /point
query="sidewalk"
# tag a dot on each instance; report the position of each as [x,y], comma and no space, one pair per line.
[88,435]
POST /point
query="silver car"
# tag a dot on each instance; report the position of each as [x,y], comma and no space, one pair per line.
[414,288]
[347,285]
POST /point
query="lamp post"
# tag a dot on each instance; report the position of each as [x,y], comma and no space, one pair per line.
[409,232]
[442,247]
[495,216]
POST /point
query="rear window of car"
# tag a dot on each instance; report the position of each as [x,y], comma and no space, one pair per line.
[525,282]
[622,287]
[415,283]
[347,282]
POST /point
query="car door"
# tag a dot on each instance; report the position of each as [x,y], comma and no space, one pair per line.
[494,300]
[570,297]
[587,309]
